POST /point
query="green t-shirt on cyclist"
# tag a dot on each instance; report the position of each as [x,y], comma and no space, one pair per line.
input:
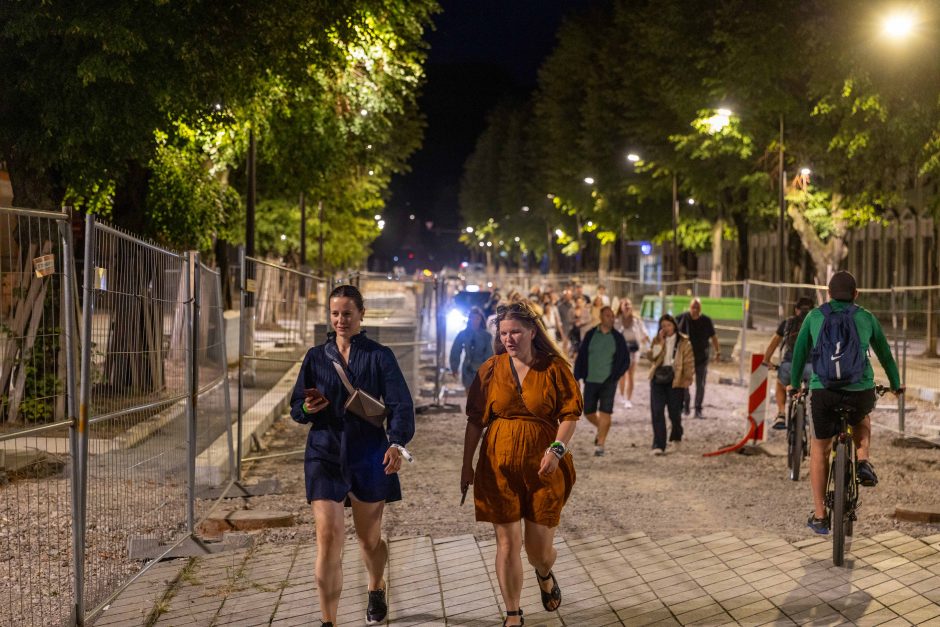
[870,335]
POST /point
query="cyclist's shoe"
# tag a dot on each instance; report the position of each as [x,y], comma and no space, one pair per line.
[377,608]
[866,474]
[819,525]
[780,422]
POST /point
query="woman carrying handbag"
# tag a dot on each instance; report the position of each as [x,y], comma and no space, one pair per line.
[672,370]
[351,392]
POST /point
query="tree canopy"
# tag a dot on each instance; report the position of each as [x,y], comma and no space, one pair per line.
[142,110]
[697,90]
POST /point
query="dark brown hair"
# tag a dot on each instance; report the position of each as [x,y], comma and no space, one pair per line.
[349,291]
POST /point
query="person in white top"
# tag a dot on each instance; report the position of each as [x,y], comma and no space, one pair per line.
[634,332]
[551,318]
[672,368]
[602,294]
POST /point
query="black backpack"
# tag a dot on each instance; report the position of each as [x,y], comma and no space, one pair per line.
[791,331]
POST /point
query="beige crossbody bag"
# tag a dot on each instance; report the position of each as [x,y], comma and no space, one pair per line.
[361,403]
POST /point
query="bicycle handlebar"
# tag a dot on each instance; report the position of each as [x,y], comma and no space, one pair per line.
[881,390]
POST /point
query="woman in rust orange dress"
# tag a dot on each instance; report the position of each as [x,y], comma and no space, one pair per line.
[527,398]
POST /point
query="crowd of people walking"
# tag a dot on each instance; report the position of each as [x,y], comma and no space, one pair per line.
[531,367]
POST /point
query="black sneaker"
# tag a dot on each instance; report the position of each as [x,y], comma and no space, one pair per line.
[377,609]
[819,525]
[698,415]
[866,474]
[780,422]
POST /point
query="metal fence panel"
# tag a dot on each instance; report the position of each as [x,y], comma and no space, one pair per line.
[37,334]
[134,387]
[282,314]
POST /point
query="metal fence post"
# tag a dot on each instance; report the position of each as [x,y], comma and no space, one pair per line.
[71,382]
[901,404]
[741,353]
[894,318]
[242,333]
[80,454]
[191,278]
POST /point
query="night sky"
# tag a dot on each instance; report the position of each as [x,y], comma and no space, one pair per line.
[482,52]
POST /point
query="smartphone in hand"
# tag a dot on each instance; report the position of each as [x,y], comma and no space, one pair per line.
[314,400]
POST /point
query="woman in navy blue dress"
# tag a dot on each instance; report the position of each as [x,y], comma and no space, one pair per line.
[348,460]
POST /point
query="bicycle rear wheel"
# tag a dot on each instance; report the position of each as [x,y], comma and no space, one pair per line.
[797,427]
[837,517]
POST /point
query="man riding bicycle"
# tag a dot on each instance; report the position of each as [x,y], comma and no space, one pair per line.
[839,335]
[785,338]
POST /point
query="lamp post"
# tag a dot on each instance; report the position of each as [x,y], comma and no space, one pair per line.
[675,227]
[781,220]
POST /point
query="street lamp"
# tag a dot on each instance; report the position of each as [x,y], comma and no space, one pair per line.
[899,25]
[589,180]
[633,157]
[719,121]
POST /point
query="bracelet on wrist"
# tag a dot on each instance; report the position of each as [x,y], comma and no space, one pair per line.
[558,449]
[404,452]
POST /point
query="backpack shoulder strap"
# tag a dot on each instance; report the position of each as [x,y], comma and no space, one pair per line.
[826,309]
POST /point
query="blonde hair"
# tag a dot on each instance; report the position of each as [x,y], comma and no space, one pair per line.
[527,315]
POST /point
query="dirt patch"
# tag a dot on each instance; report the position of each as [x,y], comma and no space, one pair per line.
[628,489]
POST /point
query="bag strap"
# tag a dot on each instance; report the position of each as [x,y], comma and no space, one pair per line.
[515,375]
[342,375]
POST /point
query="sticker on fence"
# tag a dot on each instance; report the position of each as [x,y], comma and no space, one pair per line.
[250,285]
[101,279]
[44,266]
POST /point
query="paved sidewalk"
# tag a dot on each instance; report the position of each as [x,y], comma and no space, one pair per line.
[890,579]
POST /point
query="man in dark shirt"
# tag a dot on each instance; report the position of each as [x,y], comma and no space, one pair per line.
[785,337]
[701,332]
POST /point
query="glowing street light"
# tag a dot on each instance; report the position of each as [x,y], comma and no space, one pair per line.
[691,201]
[378,217]
[899,25]
[589,180]
[633,157]
[411,216]
[525,208]
[469,229]
[516,239]
[559,233]
[482,244]
[719,121]
[805,172]
[283,237]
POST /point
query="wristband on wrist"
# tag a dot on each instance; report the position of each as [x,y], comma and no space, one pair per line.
[404,452]
[558,449]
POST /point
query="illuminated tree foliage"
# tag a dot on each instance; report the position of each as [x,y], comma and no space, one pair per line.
[141,110]
[648,77]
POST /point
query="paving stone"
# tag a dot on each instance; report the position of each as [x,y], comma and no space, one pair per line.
[629,580]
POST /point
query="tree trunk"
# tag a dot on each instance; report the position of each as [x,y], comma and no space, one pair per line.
[33,189]
[827,254]
[933,296]
[714,291]
[603,259]
[742,272]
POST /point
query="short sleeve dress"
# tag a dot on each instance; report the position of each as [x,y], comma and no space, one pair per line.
[507,486]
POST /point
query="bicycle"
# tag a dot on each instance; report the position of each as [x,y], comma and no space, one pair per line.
[797,432]
[842,487]
[797,438]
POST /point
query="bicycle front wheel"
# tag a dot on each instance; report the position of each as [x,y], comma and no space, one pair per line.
[838,515]
[797,427]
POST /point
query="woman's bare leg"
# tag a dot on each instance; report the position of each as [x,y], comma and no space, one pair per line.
[367,518]
[331,535]
[509,565]
[540,549]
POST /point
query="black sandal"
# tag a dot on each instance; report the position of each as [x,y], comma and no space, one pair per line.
[554,595]
[514,613]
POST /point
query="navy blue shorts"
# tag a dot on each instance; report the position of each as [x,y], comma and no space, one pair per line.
[340,463]
[599,394]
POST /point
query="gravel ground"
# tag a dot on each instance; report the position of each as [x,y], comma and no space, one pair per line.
[628,489]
